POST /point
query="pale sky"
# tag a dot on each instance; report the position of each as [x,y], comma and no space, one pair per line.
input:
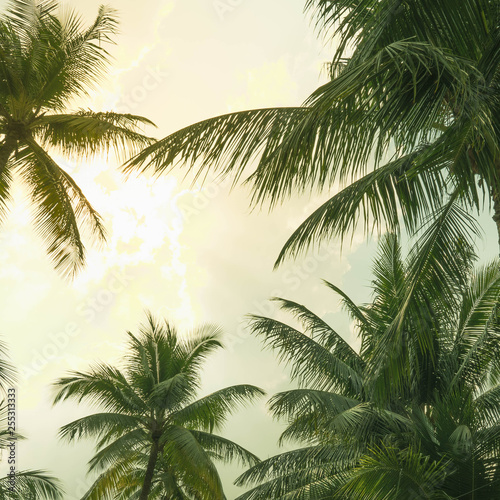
[192,255]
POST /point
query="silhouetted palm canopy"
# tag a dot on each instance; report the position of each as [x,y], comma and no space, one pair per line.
[415,411]
[409,118]
[47,60]
[154,436]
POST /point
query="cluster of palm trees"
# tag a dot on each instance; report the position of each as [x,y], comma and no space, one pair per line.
[409,126]
[414,414]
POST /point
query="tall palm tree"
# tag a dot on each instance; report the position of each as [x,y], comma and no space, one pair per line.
[154,436]
[46,61]
[408,120]
[415,412]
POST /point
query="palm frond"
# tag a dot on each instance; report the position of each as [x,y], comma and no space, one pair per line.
[376,199]
[312,363]
[307,401]
[227,143]
[118,443]
[182,445]
[224,449]
[32,485]
[488,405]
[321,332]
[55,219]
[86,133]
[104,385]
[211,412]
[439,261]
[109,425]
[390,473]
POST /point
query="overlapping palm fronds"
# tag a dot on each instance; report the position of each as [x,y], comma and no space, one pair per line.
[46,60]
[409,121]
[414,413]
[154,437]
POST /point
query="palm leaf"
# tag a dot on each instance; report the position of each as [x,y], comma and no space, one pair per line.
[211,412]
[312,363]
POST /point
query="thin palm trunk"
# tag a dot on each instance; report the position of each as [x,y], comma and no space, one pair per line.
[495,194]
[148,478]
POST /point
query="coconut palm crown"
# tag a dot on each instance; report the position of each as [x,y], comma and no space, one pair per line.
[47,59]
[154,437]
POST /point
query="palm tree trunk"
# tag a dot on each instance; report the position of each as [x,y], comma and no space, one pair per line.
[495,192]
[148,478]
[6,149]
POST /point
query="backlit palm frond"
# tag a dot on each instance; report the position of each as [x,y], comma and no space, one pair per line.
[367,25]
[312,427]
[8,372]
[224,449]
[375,200]
[122,474]
[357,313]
[79,59]
[487,405]
[227,143]
[5,196]
[395,98]
[388,473]
[90,220]
[438,263]
[182,445]
[199,344]
[307,401]
[104,426]
[86,133]
[478,331]
[300,474]
[116,441]
[103,385]
[54,216]
[171,393]
[332,458]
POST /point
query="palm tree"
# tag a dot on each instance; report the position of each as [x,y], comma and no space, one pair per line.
[31,485]
[415,413]
[24,484]
[408,121]
[154,436]
[45,62]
